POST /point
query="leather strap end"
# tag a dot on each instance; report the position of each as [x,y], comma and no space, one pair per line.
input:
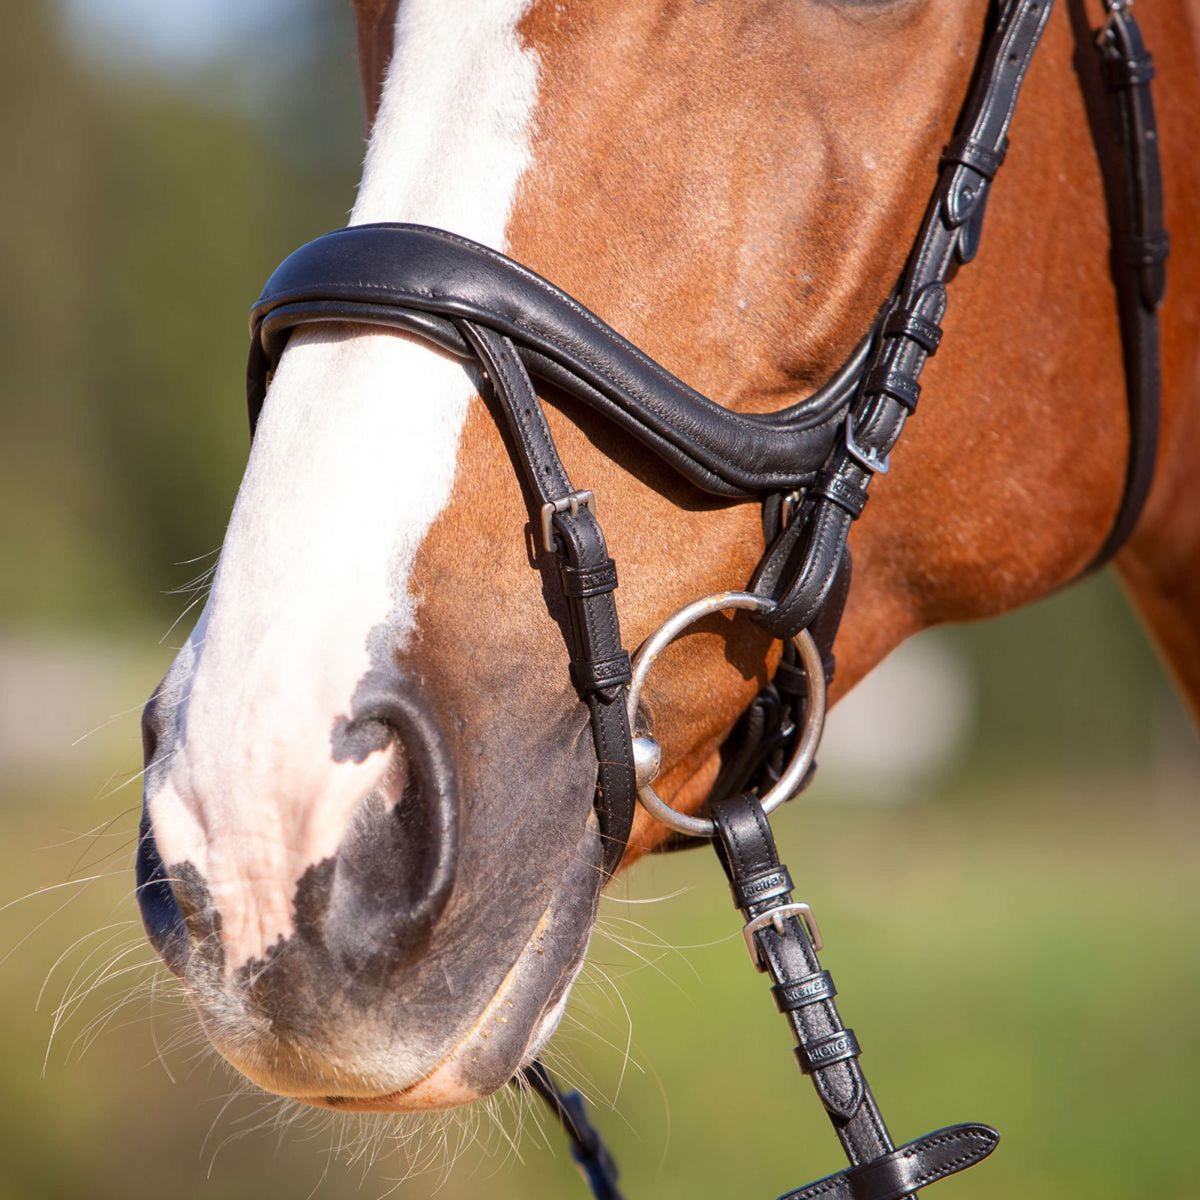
[915,1165]
[964,194]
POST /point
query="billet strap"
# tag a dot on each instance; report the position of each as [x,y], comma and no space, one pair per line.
[781,936]
[1139,252]
[587,1147]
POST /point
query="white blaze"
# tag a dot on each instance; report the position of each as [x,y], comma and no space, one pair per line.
[353,460]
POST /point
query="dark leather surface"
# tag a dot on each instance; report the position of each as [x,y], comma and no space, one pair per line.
[587,1147]
[747,848]
[1139,253]
[599,662]
[369,272]
[912,1166]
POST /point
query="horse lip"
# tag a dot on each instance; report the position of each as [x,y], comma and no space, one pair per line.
[446,1094]
[395,1101]
[448,1091]
[390,1102]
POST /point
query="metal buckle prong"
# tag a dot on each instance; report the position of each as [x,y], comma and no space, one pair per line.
[875,463]
[775,916]
[788,507]
[572,503]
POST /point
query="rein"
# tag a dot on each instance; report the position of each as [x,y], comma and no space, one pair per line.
[810,465]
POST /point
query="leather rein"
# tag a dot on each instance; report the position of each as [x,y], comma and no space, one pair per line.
[810,465]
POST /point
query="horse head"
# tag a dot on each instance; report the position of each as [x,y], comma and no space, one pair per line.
[369,845]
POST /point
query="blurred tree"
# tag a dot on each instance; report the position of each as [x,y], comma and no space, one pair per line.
[145,215]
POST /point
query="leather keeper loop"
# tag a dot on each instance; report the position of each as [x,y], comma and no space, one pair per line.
[764,886]
[1144,250]
[970,153]
[589,581]
[800,993]
[594,675]
[789,679]
[906,323]
[840,491]
[1121,72]
[904,389]
[825,1051]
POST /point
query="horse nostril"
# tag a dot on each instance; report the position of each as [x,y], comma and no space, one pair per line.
[396,866]
[161,914]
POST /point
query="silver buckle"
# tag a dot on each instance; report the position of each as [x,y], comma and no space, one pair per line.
[572,503]
[876,463]
[775,916]
[788,507]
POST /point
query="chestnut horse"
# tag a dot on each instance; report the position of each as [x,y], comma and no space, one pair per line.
[735,188]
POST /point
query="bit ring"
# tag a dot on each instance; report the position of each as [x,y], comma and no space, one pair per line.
[648,755]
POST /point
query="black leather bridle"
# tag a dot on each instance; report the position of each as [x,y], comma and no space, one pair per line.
[810,465]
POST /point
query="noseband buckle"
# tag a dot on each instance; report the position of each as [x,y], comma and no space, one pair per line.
[870,460]
[775,916]
[572,504]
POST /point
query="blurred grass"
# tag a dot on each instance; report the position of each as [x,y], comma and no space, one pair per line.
[1023,955]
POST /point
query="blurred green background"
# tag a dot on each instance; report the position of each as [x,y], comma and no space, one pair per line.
[1013,927]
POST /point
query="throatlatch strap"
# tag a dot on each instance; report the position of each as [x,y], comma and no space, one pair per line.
[781,937]
[1139,252]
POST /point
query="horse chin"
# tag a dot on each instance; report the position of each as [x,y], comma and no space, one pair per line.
[446,1087]
[373,1059]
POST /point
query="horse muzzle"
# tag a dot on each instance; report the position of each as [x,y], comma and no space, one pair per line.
[398,982]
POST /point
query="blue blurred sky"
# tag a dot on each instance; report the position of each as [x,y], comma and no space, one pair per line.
[173,34]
